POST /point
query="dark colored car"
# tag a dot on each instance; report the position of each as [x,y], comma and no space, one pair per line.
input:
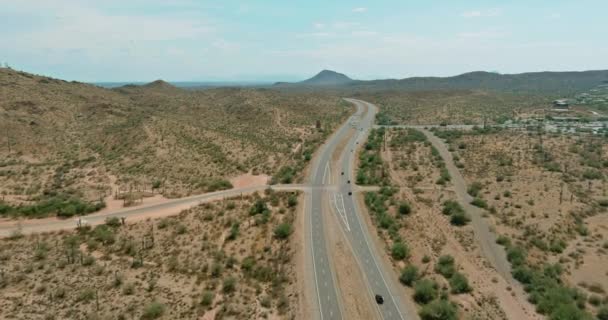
[348,181]
[379,299]
[350,193]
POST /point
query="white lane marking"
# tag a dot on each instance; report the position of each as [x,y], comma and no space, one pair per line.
[344,212]
[341,214]
[325,173]
[314,264]
[376,264]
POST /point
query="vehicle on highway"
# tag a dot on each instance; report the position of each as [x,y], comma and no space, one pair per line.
[379,299]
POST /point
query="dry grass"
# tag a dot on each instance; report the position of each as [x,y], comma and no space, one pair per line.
[90,142]
[189,266]
[548,195]
[415,170]
[453,106]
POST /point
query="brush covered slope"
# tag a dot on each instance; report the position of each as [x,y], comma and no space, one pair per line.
[67,143]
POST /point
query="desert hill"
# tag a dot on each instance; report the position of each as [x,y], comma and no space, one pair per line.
[327,78]
[61,137]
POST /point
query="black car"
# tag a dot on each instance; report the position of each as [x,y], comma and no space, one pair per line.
[379,299]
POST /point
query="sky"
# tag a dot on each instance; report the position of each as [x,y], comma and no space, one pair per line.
[278,40]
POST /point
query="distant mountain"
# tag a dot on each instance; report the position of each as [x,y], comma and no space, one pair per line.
[532,82]
[159,84]
[556,83]
[323,78]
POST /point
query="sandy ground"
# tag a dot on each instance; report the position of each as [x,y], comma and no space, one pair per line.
[249,180]
[178,262]
[593,268]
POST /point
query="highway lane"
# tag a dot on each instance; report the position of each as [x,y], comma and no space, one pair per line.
[327,299]
[377,277]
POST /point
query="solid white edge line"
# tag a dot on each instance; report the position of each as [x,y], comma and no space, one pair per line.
[314,264]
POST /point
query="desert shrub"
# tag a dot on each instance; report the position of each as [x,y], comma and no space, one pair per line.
[409,275]
[292,200]
[259,207]
[592,174]
[596,288]
[400,251]
[154,310]
[285,174]
[595,300]
[602,313]
[207,298]
[181,229]
[444,176]
[283,230]
[266,302]
[234,231]
[62,205]
[104,234]
[88,260]
[479,202]
[445,266]
[113,222]
[450,207]
[219,184]
[503,240]
[128,289]
[459,283]
[86,295]
[439,310]
[603,203]
[229,285]
[516,255]
[474,188]
[156,184]
[216,270]
[557,246]
[459,218]
[247,264]
[425,291]
[405,208]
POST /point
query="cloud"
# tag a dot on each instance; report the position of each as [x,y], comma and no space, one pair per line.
[555,15]
[359,10]
[316,35]
[364,33]
[482,13]
[485,34]
[318,25]
[345,24]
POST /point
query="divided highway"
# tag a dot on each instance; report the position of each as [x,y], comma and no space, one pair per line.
[321,195]
[377,277]
[327,298]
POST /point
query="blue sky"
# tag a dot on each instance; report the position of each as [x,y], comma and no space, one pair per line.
[187,40]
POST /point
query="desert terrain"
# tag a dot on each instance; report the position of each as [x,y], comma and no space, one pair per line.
[230,259]
[70,148]
[427,234]
[545,195]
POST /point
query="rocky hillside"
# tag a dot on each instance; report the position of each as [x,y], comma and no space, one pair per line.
[68,137]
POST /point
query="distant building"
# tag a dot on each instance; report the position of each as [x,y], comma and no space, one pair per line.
[561,105]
